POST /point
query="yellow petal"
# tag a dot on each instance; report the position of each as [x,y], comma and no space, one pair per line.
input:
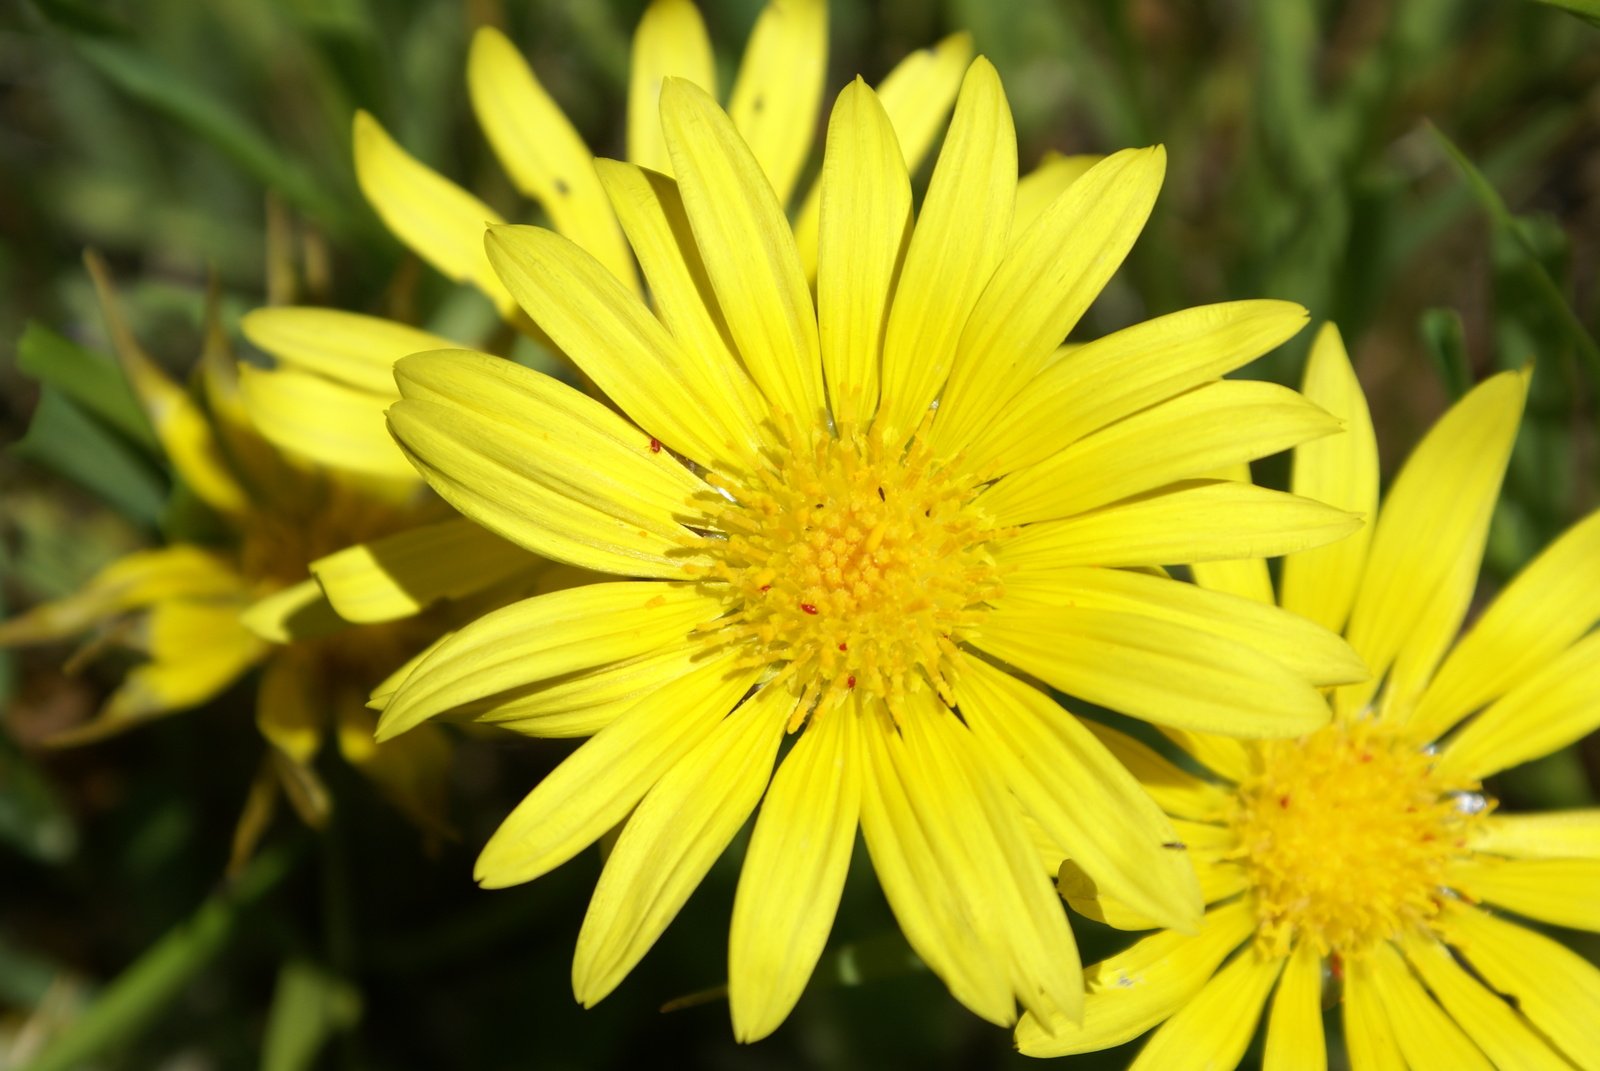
[1553,835]
[1488,1019]
[793,873]
[1428,542]
[1105,822]
[1039,188]
[953,251]
[358,351]
[672,838]
[917,96]
[1341,470]
[1042,287]
[1557,705]
[1246,578]
[543,465]
[1097,384]
[302,788]
[1306,649]
[1157,670]
[1213,1029]
[298,612]
[610,334]
[1369,1036]
[1219,424]
[272,478]
[1561,892]
[403,574]
[748,249]
[1429,1039]
[671,42]
[1232,760]
[545,157]
[1132,991]
[324,422]
[1554,987]
[291,711]
[185,435]
[919,883]
[652,214]
[1176,791]
[1195,520]
[1551,603]
[543,637]
[1295,1038]
[778,91]
[597,785]
[436,219]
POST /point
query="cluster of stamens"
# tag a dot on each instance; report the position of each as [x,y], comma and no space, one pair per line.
[852,566]
[1346,836]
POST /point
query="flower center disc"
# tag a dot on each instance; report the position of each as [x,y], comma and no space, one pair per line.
[853,568]
[1346,835]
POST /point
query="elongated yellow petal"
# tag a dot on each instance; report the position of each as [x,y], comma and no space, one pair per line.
[291,710]
[298,612]
[271,477]
[1558,891]
[1550,604]
[603,780]
[793,874]
[436,219]
[1556,989]
[545,157]
[1369,1037]
[652,214]
[610,334]
[671,42]
[1103,381]
[748,249]
[1486,1017]
[544,637]
[1551,709]
[1043,286]
[358,351]
[1246,578]
[1106,823]
[1295,1038]
[1553,835]
[186,436]
[1341,470]
[917,96]
[778,91]
[581,704]
[1308,650]
[676,833]
[865,223]
[324,422]
[403,574]
[1135,989]
[1196,520]
[1039,188]
[180,571]
[1428,542]
[953,251]
[1219,424]
[1429,1039]
[1175,791]
[1214,1029]
[543,465]
[929,908]
[1158,670]
[1231,760]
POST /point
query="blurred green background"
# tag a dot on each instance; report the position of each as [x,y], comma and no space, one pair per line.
[1427,174]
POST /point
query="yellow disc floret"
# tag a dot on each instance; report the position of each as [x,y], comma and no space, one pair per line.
[852,566]
[1346,835]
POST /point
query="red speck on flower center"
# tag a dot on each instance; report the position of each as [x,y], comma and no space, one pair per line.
[808,608]
[844,647]
[655,446]
[766,587]
[850,682]
[1283,801]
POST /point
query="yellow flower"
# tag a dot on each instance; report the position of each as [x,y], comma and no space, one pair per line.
[850,518]
[1367,847]
[202,615]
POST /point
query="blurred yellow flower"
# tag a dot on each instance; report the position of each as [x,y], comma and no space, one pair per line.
[849,517]
[1368,846]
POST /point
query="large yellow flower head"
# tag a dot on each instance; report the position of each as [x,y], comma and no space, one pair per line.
[859,526]
[203,613]
[1362,854]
